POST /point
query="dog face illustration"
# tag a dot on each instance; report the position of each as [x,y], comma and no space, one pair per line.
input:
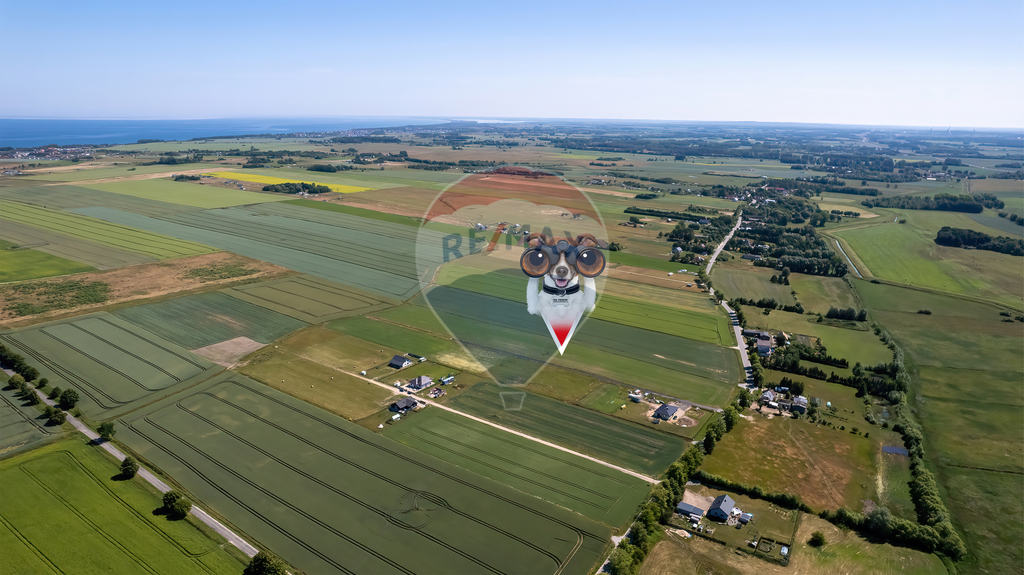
[559,259]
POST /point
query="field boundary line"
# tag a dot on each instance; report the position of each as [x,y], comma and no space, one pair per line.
[17,535]
[231,537]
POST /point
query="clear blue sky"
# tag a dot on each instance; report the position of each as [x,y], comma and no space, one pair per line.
[865,62]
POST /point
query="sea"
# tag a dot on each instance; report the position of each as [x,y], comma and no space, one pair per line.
[27,133]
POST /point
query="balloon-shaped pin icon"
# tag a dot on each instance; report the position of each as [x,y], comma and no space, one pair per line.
[512,261]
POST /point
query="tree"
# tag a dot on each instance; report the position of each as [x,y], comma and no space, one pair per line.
[709,443]
[129,467]
[170,497]
[796,388]
[68,399]
[264,563]
[33,398]
[817,539]
[55,393]
[181,507]
[56,416]
[17,381]
[621,561]
[732,417]
[43,382]
[106,430]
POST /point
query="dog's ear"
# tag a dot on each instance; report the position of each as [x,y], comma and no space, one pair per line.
[588,240]
[529,240]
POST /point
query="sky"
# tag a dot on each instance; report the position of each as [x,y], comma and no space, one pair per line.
[903,63]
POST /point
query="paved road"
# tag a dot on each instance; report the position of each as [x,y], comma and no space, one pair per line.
[198,513]
[495,425]
[737,329]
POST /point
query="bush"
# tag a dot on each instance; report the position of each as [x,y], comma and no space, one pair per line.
[817,539]
[106,430]
[129,467]
[43,382]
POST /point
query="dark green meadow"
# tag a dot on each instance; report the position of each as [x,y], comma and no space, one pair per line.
[328,495]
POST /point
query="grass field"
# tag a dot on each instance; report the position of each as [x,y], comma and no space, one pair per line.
[66,247]
[607,438]
[853,344]
[113,364]
[22,426]
[263,179]
[331,496]
[967,369]
[310,299]
[639,261]
[770,520]
[94,230]
[374,256]
[27,264]
[818,293]
[69,197]
[583,486]
[70,516]
[200,320]
[317,384]
[827,467]
[741,279]
[185,193]
[908,254]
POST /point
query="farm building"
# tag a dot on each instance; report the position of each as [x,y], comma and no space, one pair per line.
[764,350]
[666,411]
[746,517]
[721,508]
[760,335]
[799,404]
[767,397]
[692,511]
[403,404]
[750,257]
[398,362]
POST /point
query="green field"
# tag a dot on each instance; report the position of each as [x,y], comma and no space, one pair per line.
[741,279]
[310,299]
[69,516]
[91,229]
[317,384]
[200,320]
[908,254]
[819,293]
[827,467]
[68,197]
[967,367]
[27,264]
[331,496]
[371,255]
[185,193]
[609,439]
[114,365]
[22,426]
[853,344]
[583,486]
[70,248]
[639,261]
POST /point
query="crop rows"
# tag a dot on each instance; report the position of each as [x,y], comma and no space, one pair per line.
[331,496]
[86,228]
[308,298]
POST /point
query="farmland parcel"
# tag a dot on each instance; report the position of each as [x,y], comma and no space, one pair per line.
[332,496]
[114,365]
[570,481]
[68,516]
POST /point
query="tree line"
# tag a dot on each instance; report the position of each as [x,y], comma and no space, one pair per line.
[963,238]
[970,204]
[847,314]
[297,187]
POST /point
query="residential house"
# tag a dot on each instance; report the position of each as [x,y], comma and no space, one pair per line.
[666,411]
[398,362]
[403,404]
[721,508]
